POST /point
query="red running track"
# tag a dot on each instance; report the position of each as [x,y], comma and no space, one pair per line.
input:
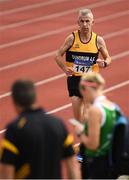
[47,35]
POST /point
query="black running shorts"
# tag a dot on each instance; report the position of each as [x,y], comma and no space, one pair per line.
[73,86]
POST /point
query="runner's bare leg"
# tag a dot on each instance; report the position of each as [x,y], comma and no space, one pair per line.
[77,106]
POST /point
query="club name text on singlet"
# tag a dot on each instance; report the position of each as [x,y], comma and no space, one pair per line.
[82,56]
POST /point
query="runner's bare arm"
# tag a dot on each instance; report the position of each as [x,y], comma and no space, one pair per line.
[67,44]
[104,52]
[92,140]
[72,167]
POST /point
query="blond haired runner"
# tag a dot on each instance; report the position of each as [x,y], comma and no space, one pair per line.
[99,119]
[82,48]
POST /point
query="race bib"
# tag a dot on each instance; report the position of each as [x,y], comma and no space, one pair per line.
[81,69]
[82,66]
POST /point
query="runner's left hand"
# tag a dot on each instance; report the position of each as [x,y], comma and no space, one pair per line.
[100,62]
[79,129]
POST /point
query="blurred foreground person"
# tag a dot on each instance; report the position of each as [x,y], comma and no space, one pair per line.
[99,118]
[35,143]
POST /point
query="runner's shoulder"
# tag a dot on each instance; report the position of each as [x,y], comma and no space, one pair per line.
[100,41]
[69,39]
[100,38]
[94,110]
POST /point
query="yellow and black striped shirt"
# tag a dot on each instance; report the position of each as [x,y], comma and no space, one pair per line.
[35,144]
[82,56]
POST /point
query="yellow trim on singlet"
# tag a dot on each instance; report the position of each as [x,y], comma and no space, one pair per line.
[22,122]
[6,144]
[68,141]
[80,47]
[23,172]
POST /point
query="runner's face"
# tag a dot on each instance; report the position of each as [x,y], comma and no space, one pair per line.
[88,92]
[85,23]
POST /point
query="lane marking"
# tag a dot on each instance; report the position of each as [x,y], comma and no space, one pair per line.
[117,86]
[60,108]
[112,88]
[2,131]
[51,53]
[28,7]
[1,1]
[113,34]
[55,15]
[50,79]
[112,16]
[115,57]
[60,30]
[26,61]
[120,55]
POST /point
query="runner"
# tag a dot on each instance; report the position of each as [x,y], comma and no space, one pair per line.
[100,116]
[82,48]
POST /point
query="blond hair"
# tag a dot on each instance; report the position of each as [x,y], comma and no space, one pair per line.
[93,77]
[85,12]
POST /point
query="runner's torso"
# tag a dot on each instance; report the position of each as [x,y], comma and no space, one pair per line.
[82,56]
[108,121]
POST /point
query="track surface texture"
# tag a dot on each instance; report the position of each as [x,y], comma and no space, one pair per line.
[30,33]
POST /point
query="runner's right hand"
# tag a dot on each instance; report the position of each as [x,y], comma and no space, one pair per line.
[68,71]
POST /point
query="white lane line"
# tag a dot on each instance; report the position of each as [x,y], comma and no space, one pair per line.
[117,33]
[117,86]
[120,55]
[60,30]
[50,79]
[55,15]
[28,7]
[112,16]
[49,54]
[26,61]
[2,1]
[2,131]
[112,88]
[115,57]
[5,95]
[60,108]
[36,37]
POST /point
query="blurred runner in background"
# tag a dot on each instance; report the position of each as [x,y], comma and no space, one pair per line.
[82,48]
[35,143]
[99,119]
